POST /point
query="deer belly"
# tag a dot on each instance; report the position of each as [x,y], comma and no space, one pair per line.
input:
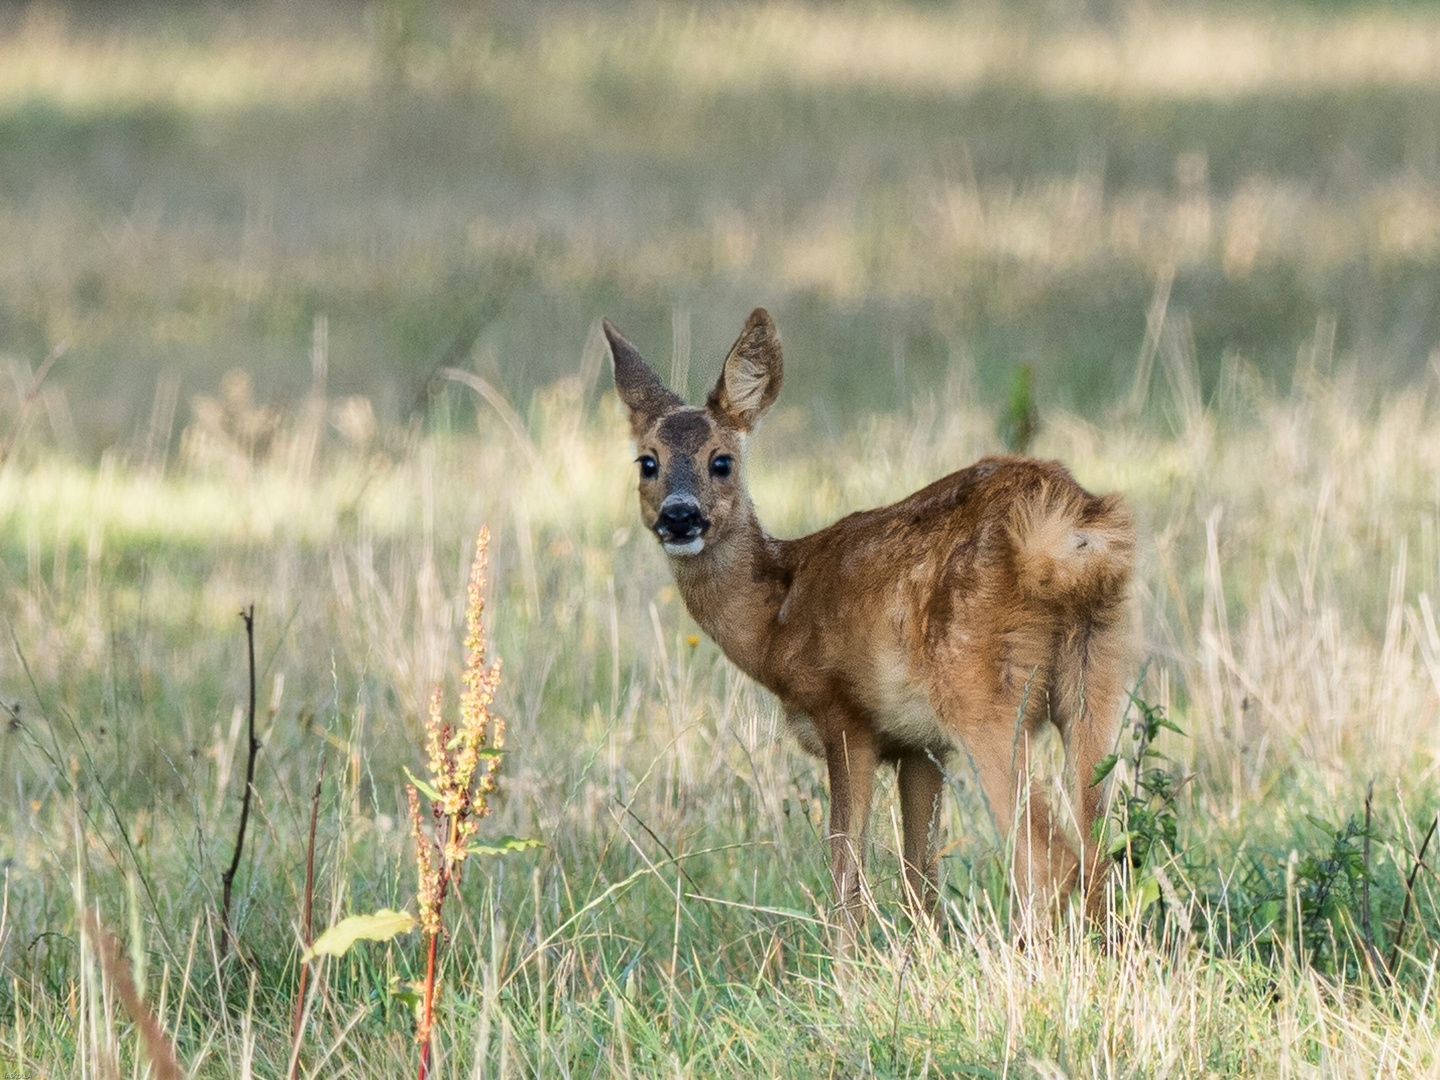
[897,707]
[904,720]
[910,725]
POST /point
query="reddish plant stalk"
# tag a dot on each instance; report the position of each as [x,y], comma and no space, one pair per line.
[429,1007]
[447,870]
[462,763]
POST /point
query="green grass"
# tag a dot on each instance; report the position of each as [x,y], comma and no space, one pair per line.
[1297,655]
[1213,238]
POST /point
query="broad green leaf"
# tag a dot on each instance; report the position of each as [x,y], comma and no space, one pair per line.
[381,926]
[1103,768]
[502,844]
[421,786]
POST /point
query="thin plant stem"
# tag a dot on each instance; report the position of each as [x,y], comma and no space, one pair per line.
[227,879]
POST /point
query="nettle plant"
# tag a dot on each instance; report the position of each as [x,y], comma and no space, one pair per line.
[1142,830]
[1312,903]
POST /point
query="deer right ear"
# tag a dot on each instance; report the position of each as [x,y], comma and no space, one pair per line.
[644,395]
[750,380]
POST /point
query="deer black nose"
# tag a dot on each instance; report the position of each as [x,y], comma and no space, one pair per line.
[680,519]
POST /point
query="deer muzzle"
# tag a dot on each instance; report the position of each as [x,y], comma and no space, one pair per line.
[681,526]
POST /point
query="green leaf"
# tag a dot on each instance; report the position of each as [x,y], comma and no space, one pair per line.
[1103,768]
[502,844]
[410,995]
[1267,913]
[381,926]
[421,786]
[1149,893]
[489,755]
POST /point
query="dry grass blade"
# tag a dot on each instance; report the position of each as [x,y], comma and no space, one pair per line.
[307,928]
[161,1052]
[29,399]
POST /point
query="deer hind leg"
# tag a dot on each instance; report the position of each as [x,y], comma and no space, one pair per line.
[1085,693]
[920,780]
[1044,866]
[850,760]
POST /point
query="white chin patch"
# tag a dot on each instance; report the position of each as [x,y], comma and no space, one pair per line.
[689,547]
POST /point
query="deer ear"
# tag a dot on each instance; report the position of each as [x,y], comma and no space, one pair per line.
[750,380]
[644,395]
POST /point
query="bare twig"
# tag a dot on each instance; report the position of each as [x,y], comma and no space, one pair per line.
[227,879]
[1410,892]
[307,924]
[29,398]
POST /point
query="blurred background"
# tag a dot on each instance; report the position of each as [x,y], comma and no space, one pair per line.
[351,197]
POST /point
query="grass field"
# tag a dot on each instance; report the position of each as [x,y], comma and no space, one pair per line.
[1214,238]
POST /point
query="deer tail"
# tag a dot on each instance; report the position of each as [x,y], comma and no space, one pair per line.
[1073,548]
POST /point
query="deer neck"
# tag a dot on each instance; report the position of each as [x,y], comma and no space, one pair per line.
[732,589]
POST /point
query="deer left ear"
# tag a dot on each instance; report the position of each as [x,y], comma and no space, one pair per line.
[750,380]
[646,398]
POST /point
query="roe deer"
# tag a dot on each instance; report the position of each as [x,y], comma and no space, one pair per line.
[961,617]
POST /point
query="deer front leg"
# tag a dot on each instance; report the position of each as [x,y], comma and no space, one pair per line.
[850,759]
[920,781]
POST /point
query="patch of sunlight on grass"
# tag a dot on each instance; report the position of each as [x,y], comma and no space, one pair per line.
[1218,56]
[1211,55]
[1182,55]
[71,504]
[45,62]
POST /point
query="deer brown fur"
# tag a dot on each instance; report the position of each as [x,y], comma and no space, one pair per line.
[958,619]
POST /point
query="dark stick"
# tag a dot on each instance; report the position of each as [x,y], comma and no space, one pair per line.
[1410,892]
[227,879]
[306,927]
[1372,954]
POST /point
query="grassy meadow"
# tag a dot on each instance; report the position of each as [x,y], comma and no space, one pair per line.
[272,255]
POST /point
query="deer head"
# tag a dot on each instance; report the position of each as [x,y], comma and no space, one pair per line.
[692,491]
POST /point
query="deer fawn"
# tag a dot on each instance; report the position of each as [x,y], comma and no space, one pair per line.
[961,617]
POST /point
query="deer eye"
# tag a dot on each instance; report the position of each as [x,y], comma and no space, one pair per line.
[721,465]
[649,467]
